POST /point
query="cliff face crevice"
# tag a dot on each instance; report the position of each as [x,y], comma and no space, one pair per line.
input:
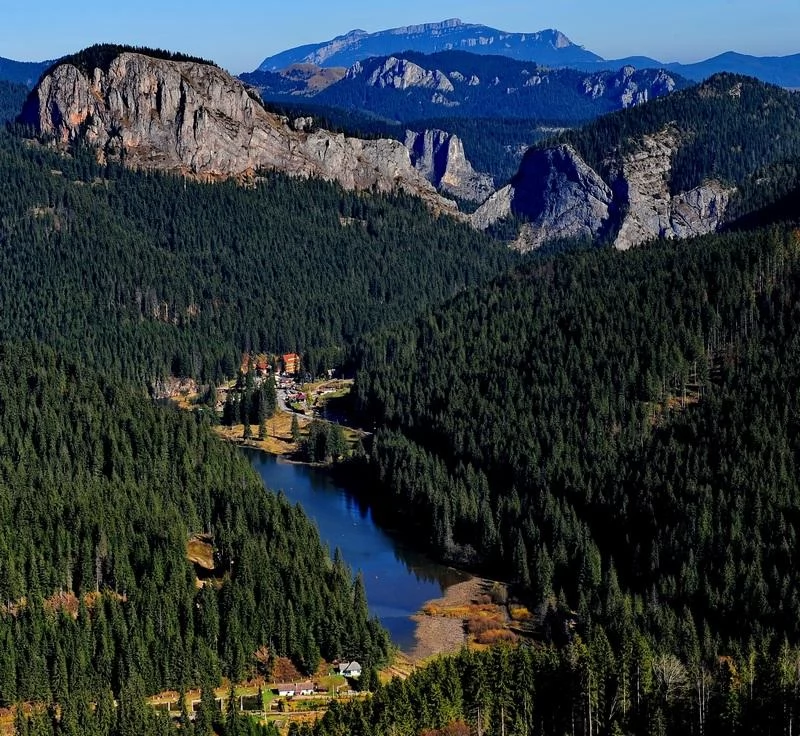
[559,196]
[197,120]
[439,156]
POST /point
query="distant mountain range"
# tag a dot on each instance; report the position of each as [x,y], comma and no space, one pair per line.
[781,70]
[22,72]
[455,84]
[548,48]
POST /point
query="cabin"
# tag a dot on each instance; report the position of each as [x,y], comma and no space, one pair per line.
[350,669]
[262,364]
[289,690]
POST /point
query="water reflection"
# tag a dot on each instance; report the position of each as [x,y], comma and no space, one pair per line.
[398,580]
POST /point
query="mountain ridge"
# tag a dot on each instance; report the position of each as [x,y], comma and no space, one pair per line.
[552,46]
[196,120]
[22,72]
[413,85]
[671,169]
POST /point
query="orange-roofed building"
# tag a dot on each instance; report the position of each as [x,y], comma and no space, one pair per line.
[291,363]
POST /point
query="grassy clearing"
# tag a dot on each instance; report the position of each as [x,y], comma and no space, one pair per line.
[279,434]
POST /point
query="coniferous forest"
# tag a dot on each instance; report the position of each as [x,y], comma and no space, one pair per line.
[102,492]
[618,434]
[147,275]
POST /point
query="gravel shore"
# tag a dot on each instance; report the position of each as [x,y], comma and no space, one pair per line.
[445,634]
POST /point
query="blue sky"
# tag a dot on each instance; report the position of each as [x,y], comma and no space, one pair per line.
[239,34]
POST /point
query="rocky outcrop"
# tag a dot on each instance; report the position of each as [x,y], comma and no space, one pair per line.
[402,74]
[629,87]
[556,192]
[439,156]
[197,120]
[559,196]
[641,179]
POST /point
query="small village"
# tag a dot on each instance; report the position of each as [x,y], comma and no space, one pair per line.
[297,389]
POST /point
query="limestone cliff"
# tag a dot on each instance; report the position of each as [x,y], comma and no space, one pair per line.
[556,192]
[439,156]
[641,179]
[629,87]
[197,120]
[402,74]
[559,196]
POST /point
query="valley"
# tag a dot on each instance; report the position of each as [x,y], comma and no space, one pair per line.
[432,381]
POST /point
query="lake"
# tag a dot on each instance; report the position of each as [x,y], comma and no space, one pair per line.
[398,581]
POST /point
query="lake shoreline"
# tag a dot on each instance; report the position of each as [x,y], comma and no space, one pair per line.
[398,579]
[443,633]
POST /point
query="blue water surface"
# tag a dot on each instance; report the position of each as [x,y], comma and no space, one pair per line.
[398,581]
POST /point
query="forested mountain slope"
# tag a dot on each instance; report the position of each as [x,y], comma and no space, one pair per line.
[12,97]
[583,688]
[731,126]
[678,166]
[617,432]
[100,492]
[147,274]
[22,72]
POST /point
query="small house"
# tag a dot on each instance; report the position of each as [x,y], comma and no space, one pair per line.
[350,669]
[289,690]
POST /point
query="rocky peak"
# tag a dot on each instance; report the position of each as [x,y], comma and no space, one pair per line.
[629,87]
[195,119]
[560,41]
[403,74]
[557,193]
[560,196]
[550,47]
[439,156]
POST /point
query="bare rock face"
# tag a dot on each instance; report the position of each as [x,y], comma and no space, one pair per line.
[560,196]
[641,178]
[197,120]
[556,192]
[439,156]
[402,74]
[629,87]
